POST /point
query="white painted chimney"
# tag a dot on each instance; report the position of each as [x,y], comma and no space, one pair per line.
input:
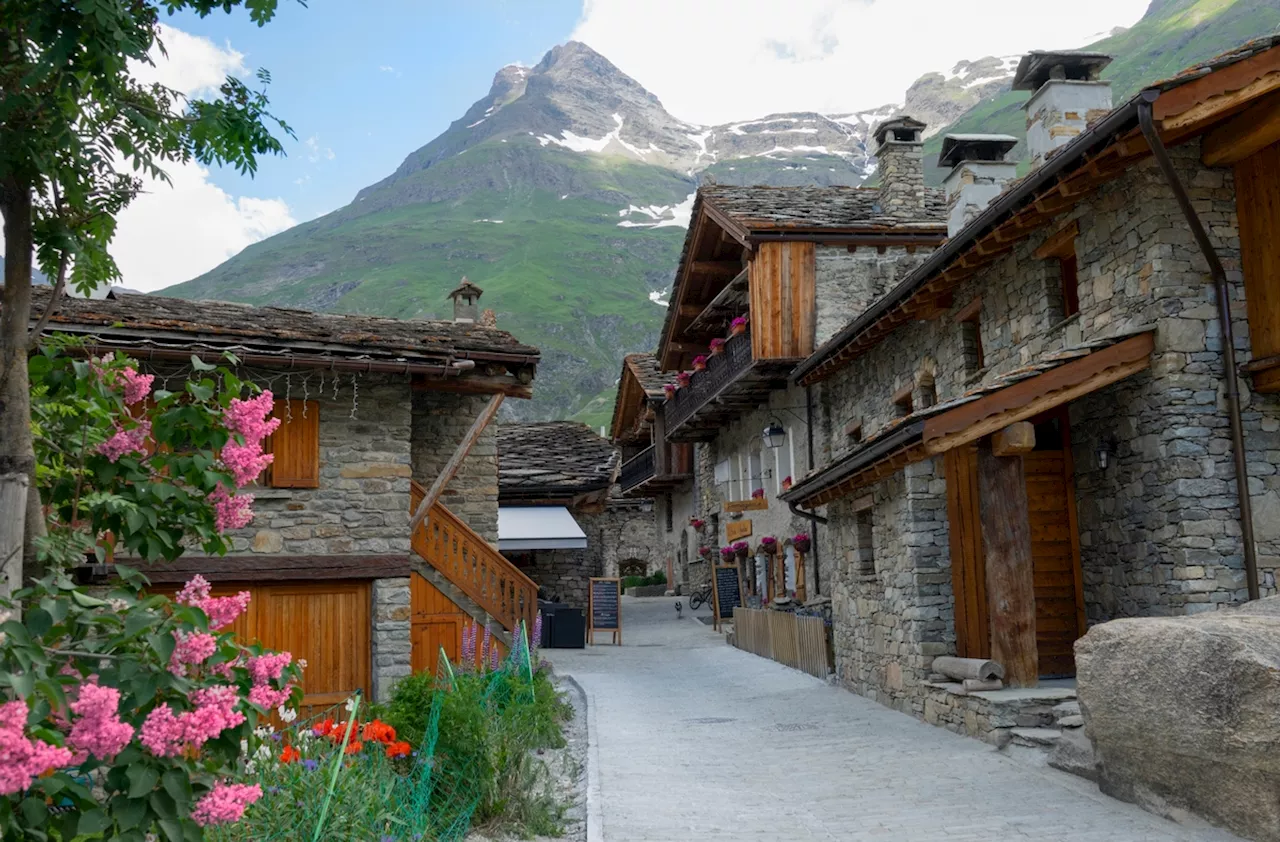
[1067,95]
[465,298]
[979,173]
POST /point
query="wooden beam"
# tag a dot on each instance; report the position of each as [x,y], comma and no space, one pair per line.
[260,567]
[1028,398]
[477,385]
[1006,544]
[1212,93]
[970,311]
[1016,439]
[1249,132]
[429,499]
[1061,243]
[727,268]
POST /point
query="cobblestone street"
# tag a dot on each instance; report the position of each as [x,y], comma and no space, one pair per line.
[692,739]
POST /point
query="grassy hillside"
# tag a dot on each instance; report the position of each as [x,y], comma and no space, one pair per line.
[558,272]
[1173,35]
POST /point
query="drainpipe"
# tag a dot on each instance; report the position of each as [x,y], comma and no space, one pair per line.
[1228,336]
[813,519]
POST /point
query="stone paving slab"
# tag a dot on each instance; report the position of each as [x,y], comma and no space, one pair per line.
[693,739]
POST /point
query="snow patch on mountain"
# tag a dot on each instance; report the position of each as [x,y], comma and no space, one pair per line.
[660,216]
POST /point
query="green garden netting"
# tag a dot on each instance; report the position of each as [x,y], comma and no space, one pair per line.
[347,787]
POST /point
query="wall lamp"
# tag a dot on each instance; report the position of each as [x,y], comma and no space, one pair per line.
[774,435]
[1104,453]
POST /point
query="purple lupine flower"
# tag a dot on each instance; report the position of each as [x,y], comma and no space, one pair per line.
[493,658]
[537,633]
[484,648]
[310,765]
[468,645]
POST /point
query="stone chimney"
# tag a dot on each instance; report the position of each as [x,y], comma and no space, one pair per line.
[465,301]
[1067,95]
[900,152]
[979,173]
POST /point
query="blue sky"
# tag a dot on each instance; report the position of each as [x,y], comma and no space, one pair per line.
[369,82]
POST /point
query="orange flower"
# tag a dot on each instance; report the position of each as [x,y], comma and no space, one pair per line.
[324,729]
[354,748]
[379,731]
[290,755]
[400,749]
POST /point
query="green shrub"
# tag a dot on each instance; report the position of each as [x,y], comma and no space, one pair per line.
[658,578]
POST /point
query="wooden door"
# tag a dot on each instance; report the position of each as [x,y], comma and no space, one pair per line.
[968,569]
[1257,180]
[437,625]
[1055,548]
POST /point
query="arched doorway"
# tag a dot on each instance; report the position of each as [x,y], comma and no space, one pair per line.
[633,567]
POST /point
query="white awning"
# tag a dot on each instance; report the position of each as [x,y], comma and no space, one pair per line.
[538,528]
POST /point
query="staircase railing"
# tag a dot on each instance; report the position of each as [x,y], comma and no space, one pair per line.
[468,561]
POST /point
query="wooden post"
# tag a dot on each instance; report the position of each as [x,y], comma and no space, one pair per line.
[455,461]
[1006,542]
[13,513]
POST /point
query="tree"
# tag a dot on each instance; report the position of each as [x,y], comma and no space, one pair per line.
[77,131]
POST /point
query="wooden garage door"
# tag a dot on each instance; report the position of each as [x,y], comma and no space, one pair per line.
[327,624]
[1055,554]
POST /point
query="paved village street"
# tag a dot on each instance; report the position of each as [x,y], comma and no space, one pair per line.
[693,739]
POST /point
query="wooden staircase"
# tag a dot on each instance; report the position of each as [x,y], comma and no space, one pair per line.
[472,565]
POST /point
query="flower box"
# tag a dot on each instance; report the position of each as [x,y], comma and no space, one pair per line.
[802,543]
[700,363]
[717,346]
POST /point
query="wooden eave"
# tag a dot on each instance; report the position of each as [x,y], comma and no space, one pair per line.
[744,393]
[975,419]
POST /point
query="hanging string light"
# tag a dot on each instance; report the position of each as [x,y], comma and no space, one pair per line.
[354,397]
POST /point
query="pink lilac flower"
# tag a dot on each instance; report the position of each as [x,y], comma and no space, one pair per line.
[166,734]
[221,610]
[230,512]
[192,648]
[245,461]
[126,441]
[21,759]
[225,803]
[267,697]
[252,421]
[98,731]
[136,386]
[264,668]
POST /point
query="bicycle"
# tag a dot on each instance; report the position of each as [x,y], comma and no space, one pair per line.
[700,596]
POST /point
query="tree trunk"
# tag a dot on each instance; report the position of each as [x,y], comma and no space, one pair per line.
[17,456]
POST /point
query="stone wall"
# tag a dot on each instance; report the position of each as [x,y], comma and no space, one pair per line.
[847,282]
[1159,527]
[392,638]
[440,423]
[626,532]
[362,504]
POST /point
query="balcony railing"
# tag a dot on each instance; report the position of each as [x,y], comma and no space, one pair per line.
[638,469]
[721,371]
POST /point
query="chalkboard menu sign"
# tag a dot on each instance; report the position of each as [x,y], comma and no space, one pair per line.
[728,591]
[604,611]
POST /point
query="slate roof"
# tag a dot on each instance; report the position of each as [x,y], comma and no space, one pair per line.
[142,322]
[648,374]
[839,208]
[553,458]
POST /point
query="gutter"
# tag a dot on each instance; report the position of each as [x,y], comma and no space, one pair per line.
[1093,136]
[907,435]
[1146,99]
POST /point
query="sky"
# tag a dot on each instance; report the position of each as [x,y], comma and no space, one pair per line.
[365,84]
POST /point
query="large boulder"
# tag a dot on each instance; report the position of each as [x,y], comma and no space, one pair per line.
[1184,713]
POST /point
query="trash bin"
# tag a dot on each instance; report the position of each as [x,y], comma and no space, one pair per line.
[569,631]
[548,610]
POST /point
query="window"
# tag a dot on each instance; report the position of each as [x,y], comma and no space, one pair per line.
[902,403]
[782,462]
[864,559]
[853,431]
[1060,247]
[928,391]
[970,321]
[755,466]
[295,445]
[1068,269]
[667,504]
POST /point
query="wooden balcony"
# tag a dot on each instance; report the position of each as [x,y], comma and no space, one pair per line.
[733,382]
[642,475]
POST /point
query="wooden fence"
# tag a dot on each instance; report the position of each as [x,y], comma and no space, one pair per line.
[798,642]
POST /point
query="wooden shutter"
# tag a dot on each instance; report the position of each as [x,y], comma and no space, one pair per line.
[1258,206]
[968,569]
[296,445]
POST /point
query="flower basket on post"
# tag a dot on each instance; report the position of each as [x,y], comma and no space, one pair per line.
[802,543]
[704,553]
[738,326]
[786,483]
[697,522]
[683,379]
[717,346]
[758,494]
[727,554]
[769,545]
[741,550]
[700,363]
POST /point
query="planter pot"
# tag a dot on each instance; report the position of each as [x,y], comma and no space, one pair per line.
[715,352]
[737,331]
[699,366]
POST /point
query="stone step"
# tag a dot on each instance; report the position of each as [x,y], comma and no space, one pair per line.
[1035,737]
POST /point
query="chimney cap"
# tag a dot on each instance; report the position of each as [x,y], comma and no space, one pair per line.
[957,148]
[896,125]
[1038,66]
[465,287]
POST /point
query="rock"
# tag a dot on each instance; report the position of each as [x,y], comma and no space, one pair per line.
[1182,712]
[1075,720]
[1036,737]
[1074,753]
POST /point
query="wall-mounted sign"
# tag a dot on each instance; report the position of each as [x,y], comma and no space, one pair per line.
[755,504]
[736,530]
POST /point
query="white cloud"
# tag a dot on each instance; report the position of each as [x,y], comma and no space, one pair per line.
[316,152]
[386,68]
[821,55]
[174,232]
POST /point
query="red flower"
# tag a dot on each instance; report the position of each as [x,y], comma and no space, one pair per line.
[324,729]
[290,755]
[399,749]
[379,731]
[354,748]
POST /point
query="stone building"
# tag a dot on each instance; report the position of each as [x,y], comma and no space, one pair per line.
[561,519]
[767,275]
[1037,429]
[372,409]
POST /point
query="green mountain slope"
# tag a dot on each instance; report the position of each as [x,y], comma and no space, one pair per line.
[1172,35]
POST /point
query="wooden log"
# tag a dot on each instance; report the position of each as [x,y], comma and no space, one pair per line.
[1006,542]
[974,669]
[973,685]
[1014,440]
[455,461]
[13,514]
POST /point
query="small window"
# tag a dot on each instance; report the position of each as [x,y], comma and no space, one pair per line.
[928,392]
[970,320]
[1068,268]
[853,431]
[667,504]
[864,559]
[755,468]
[902,403]
[295,445]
